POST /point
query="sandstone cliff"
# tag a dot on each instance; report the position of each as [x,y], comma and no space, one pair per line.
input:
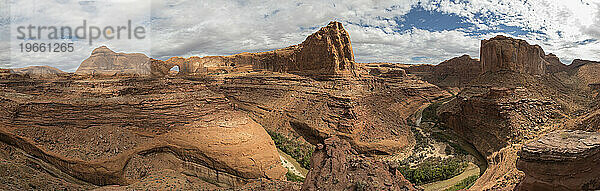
[345,170]
[325,53]
[512,101]
[586,71]
[554,64]
[507,54]
[370,112]
[456,72]
[104,61]
[123,131]
[561,160]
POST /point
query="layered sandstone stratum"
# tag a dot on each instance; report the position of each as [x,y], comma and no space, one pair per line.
[520,94]
[561,160]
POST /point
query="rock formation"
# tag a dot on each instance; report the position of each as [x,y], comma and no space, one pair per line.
[120,131]
[39,71]
[327,52]
[371,112]
[554,64]
[345,170]
[456,72]
[561,160]
[576,63]
[512,101]
[104,61]
[507,54]
[586,71]
[389,70]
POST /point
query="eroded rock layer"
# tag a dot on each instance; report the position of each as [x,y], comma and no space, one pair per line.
[507,54]
[561,160]
[104,61]
[39,71]
[512,101]
[119,131]
[554,64]
[345,170]
[369,112]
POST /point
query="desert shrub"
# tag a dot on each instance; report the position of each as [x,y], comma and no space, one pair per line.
[464,184]
[421,142]
[439,136]
[293,177]
[301,152]
[433,170]
[429,113]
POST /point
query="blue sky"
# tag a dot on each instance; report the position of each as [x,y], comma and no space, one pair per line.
[406,31]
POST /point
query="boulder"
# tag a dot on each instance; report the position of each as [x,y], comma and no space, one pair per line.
[561,160]
[507,54]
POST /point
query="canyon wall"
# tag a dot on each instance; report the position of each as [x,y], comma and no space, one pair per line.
[345,170]
[455,72]
[118,131]
[513,100]
[507,54]
[561,160]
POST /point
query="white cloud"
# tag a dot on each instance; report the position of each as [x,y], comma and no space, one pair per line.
[222,27]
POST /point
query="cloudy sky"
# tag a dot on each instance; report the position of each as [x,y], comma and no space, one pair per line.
[406,31]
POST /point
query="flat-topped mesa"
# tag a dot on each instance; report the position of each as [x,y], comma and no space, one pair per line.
[39,71]
[455,72]
[106,62]
[326,52]
[561,160]
[507,54]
